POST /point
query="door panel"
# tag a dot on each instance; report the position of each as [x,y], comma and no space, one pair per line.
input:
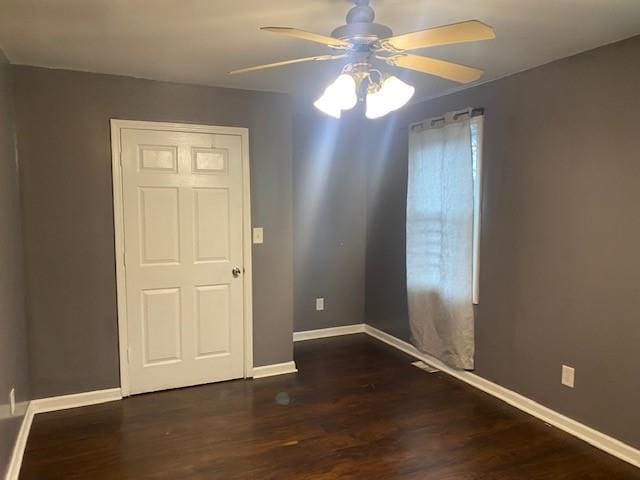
[211,223]
[161,327]
[159,218]
[182,199]
[212,320]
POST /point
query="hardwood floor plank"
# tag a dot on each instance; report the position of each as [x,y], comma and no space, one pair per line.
[357,409]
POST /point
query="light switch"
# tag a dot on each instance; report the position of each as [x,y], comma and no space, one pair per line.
[319,304]
[258,236]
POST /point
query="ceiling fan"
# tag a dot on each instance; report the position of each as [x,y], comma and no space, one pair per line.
[361,40]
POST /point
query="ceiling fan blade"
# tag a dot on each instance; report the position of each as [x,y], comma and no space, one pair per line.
[287,62]
[312,37]
[470,31]
[432,66]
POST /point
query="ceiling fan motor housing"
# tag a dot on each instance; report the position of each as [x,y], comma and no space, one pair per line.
[360,28]
[361,41]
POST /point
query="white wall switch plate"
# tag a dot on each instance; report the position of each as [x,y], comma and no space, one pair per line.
[568,376]
[258,235]
[12,401]
[319,304]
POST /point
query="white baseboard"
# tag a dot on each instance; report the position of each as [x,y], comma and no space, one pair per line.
[83,399]
[13,471]
[597,439]
[42,405]
[275,369]
[328,332]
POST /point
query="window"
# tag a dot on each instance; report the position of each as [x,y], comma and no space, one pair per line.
[443,235]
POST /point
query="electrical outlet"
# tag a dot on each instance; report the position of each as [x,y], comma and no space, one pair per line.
[319,304]
[12,401]
[568,376]
[258,235]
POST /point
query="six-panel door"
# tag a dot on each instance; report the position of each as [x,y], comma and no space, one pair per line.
[182,195]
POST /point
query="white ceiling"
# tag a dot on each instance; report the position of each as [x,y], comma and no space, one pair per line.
[198,41]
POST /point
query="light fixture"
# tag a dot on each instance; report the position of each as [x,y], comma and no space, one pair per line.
[340,95]
[385,93]
[387,96]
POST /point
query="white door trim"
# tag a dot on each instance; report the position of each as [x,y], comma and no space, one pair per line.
[118,222]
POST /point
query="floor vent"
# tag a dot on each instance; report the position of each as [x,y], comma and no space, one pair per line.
[425,366]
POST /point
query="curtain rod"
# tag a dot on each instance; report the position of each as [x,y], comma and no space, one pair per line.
[453,116]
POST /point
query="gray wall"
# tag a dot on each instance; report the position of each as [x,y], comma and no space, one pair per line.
[560,263]
[329,220]
[63,133]
[14,359]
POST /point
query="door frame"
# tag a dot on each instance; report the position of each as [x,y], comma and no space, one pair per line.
[117,126]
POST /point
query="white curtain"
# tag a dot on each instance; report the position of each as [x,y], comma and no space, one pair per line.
[440,242]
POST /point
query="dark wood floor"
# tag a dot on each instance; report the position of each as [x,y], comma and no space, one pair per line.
[356,410]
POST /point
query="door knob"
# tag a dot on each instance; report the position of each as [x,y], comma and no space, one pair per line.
[236,272]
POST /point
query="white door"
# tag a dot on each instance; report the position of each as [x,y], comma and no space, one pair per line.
[182,198]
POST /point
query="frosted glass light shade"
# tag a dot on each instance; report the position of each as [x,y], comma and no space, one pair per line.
[340,95]
[344,90]
[326,105]
[393,94]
